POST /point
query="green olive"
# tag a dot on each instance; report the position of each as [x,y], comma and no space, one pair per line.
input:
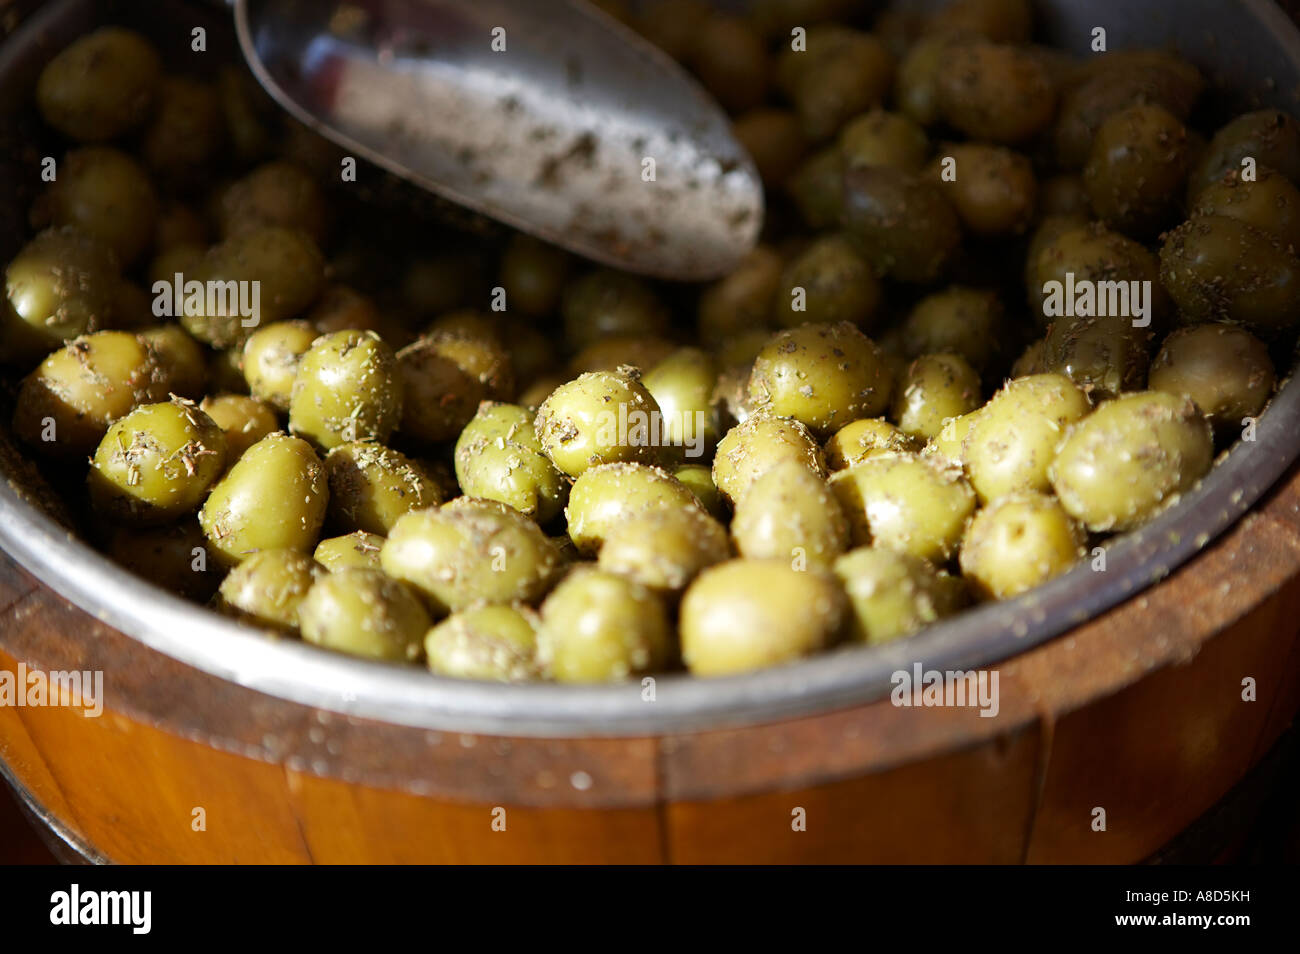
[751,448]
[950,443]
[156,464]
[774,140]
[61,285]
[903,224]
[698,479]
[1130,458]
[356,549]
[821,375]
[66,405]
[996,92]
[243,420]
[490,643]
[993,189]
[935,388]
[271,357]
[641,352]
[790,513]
[603,303]
[751,614]
[184,141]
[741,300]
[533,275]
[278,193]
[1226,370]
[905,502]
[891,594]
[256,278]
[600,417]
[829,282]
[1105,356]
[840,73]
[101,86]
[273,497]
[1017,543]
[817,188]
[445,375]
[105,194]
[1269,201]
[1270,137]
[1220,268]
[867,437]
[498,457]
[880,138]
[917,86]
[268,587]
[364,613]
[606,495]
[601,627]
[1013,441]
[664,548]
[174,557]
[1093,254]
[372,487]
[477,550]
[682,385]
[958,320]
[182,364]
[347,389]
[1137,167]
[342,308]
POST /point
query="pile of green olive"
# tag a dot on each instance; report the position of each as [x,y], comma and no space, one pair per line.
[873,422]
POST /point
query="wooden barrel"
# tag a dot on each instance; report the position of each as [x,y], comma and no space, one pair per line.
[1143,713]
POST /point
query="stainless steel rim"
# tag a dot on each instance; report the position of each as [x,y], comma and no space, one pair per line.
[413,697]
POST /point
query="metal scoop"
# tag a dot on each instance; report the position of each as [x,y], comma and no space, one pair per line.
[547,115]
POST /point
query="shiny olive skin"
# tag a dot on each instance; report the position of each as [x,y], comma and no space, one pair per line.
[372,487]
[1131,458]
[957,320]
[993,189]
[68,402]
[60,285]
[1013,439]
[356,549]
[698,479]
[271,356]
[607,495]
[286,264]
[664,548]
[822,375]
[1105,356]
[1269,136]
[1221,269]
[243,420]
[347,388]
[1269,201]
[156,464]
[601,627]
[789,513]
[1137,168]
[100,86]
[996,92]
[364,613]
[682,385]
[829,282]
[742,300]
[275,496]
[881,138]
[891,594]
[865,438]
[105,194]
[268,587]
[490,643]
[903,224]
[470,551]
[275,194]
[579,424]
[744,615]
[906,502]
[752,447]
[935,388]
[499,457]
[1017,543]
[444,375]
[1225,369]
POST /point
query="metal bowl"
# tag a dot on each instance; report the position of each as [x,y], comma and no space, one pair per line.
[1250,51]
